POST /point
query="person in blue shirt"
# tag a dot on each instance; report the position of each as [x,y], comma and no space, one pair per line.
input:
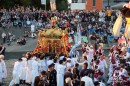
[110,38]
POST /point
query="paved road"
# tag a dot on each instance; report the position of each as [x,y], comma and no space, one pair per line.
[18,32]
[30,46]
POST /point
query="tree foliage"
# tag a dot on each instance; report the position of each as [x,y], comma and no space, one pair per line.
[60,4]
[6,3]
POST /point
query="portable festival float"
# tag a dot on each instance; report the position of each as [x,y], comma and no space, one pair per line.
[52,41]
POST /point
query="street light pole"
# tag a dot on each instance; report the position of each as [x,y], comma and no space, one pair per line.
[45,5]
[108,3]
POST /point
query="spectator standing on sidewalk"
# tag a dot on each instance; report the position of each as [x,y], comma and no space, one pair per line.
[4,37]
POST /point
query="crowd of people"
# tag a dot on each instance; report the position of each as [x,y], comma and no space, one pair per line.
[88,69]
[59,70]
[119,60]
[96,24]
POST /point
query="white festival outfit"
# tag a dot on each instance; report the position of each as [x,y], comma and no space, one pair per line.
[88,81]
[103,65]
[35,70]
[23,69]
[49,62]
[43,65]
[29,71]
[90,56]
[69,64]
[16,74]
[60,74]
[1,72]
[4,69]
[4,73]
[110,72]
[74,60]
[81,64]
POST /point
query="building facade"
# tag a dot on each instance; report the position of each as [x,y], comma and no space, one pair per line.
[94,4]
[85,4]
[77,4]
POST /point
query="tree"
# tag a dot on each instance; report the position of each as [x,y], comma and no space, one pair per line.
[6,3]
[62,4]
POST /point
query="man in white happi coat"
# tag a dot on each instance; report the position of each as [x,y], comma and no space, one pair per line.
[4,73]
[35,69]
[60,73]
[74,60]
[123,71]
[43,65]
[29,71]
[23,70]
[88,81]
[84,61]
[102,63]
[69,64]
[111,68]
[0,71]
[16,73]
[90,55]
[50,61]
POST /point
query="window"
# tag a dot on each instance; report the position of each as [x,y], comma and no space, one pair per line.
[74,1]
[94,2]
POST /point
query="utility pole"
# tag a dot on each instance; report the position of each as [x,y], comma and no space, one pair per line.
[108,3]
[45,7]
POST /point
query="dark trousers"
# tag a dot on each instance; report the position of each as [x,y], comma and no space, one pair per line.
[4,40]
